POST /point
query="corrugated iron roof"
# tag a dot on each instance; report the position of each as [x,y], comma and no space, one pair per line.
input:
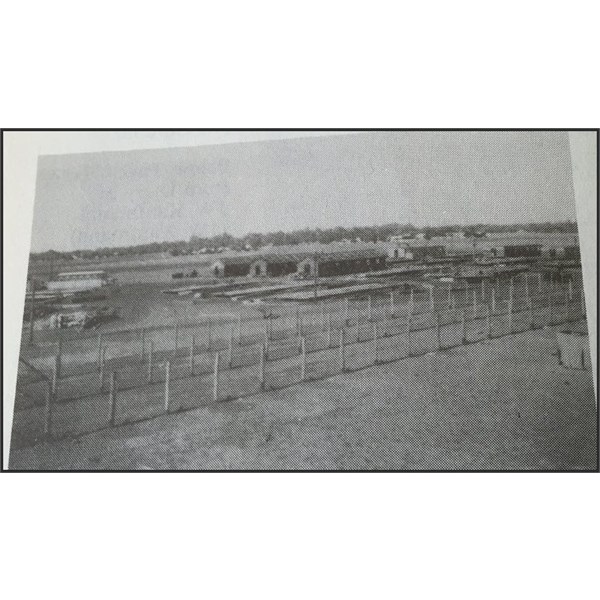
[241,259]
[299,252]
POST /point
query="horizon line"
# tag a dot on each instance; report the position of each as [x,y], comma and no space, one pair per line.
[286,232]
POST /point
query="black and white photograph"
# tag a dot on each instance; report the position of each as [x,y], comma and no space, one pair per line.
[386,300]
[299,300]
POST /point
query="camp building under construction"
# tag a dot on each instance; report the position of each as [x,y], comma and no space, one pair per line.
[303,259]
[346,258]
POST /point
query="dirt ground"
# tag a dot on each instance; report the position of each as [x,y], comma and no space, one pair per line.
[143,305]
[502,404]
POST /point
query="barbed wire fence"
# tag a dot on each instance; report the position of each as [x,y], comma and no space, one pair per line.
[89,383]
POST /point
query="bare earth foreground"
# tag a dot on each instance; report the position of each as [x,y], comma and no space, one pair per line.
[500,404]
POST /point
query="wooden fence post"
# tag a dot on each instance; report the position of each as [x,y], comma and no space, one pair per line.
[150,360]
[58,360]
[143,344]
[54,382]
[392,306]
[342,350]
[375,344]
[112,398]
[408,334]
[32,311]
[102,364]
[262,367]
[230,348]
[510,316]
[463,333]
[216,378]
[99,350]
[530,310]
[167,384]
[48,411]
[266,342]
[493,301]
[303,360]
[192,346]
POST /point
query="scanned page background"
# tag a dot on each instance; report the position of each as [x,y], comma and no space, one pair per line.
[21,150]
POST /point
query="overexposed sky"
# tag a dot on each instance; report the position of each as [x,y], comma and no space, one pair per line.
[212,183]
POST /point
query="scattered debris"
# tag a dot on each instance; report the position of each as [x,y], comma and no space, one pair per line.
[83,319]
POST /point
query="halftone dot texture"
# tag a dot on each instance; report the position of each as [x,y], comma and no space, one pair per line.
[499,403]
[502,401]
[426,178]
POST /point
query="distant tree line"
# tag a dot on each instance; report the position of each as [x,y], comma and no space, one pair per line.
[253,241]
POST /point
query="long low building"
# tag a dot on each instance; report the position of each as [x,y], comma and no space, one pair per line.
[342,263]
[347,258]
[535,245]
[78,281]
[509,245]
[305,260]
